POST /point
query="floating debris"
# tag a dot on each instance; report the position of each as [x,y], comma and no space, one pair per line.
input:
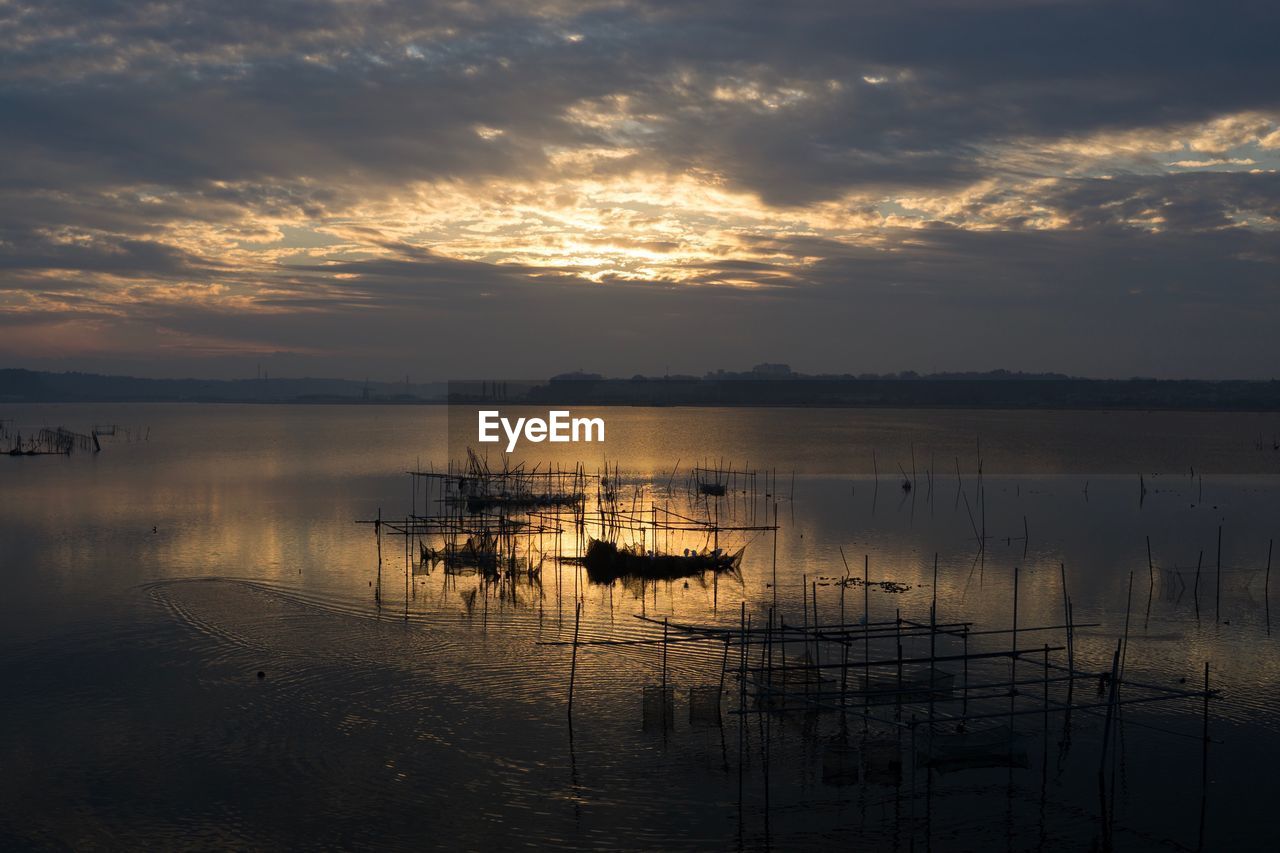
[850,581]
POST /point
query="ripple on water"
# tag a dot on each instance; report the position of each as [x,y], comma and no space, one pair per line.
[373,701]
[397,730]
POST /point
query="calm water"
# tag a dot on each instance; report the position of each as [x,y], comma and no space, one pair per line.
[146,586]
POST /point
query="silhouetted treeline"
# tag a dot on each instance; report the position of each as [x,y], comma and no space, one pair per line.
[39,386]
[997,390]
[984,393]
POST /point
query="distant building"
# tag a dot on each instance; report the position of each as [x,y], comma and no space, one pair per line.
[772,371]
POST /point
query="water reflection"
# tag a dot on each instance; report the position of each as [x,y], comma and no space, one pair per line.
[139,718]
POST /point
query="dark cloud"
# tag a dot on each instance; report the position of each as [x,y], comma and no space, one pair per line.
[156,149]
[180,93]
[1181,202]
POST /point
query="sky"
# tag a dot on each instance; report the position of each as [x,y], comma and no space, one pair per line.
[462,189]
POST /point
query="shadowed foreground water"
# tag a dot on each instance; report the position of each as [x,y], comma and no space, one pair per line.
[146,588]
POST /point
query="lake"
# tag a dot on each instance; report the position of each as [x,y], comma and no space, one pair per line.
[403,705]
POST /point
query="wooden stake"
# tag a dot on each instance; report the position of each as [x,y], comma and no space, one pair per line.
[1217,593]
[573,661]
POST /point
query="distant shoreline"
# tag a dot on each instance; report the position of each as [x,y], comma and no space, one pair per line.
[956,407]
[1002,391]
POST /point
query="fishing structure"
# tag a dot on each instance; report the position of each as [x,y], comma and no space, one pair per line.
[886,698]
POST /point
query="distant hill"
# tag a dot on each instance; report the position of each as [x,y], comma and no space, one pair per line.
[38,386]
[1009,391]
[998,389]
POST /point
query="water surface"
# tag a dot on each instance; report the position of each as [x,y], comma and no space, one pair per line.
[146,586]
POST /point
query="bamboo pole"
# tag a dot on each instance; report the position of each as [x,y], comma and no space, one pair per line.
[573,661]
[1217,593]
[665,721]
[1267,585]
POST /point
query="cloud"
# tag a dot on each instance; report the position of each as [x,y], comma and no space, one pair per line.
[1215,161]
[336,179]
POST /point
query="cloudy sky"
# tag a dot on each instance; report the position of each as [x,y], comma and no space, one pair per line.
[354,188]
